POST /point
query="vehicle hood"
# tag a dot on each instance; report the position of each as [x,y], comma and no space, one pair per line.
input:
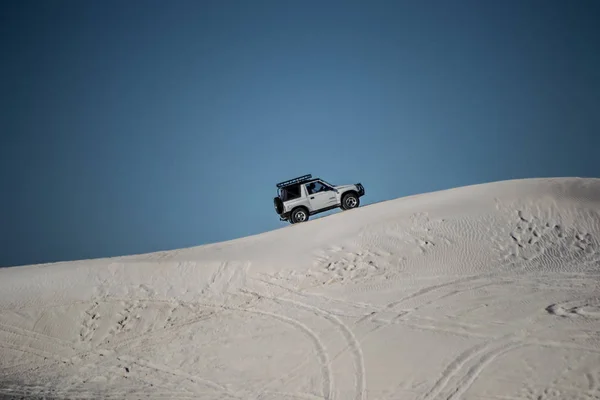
[341,188]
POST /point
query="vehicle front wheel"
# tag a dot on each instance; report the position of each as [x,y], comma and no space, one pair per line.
[350,201]
[299,215]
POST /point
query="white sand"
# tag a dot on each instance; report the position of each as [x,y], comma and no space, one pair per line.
[482,292]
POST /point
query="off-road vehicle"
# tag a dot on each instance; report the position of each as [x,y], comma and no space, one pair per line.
[301,197]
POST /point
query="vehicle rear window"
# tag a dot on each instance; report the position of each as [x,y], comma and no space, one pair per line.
[290,192]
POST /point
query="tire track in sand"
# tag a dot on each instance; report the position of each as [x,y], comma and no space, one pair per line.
[478,357]
[179,374]
[228,278]
[431,288]
[328,384]
[29,341]
[112,353]
[353,343]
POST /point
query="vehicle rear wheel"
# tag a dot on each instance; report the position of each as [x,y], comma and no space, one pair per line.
[299,215]
[350,201]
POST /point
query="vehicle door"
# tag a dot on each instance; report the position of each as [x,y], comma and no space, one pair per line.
[320,196]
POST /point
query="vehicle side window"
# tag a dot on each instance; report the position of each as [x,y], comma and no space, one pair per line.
[316,187]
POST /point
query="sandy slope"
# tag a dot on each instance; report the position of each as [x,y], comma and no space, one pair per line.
[482,292]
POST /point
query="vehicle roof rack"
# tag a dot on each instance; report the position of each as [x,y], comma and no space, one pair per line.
[299,179]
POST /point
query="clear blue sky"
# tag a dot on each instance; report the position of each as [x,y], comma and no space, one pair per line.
[135,126]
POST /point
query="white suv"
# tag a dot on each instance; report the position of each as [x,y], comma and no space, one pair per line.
[301,197]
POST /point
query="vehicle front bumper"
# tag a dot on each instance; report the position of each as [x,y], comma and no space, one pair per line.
[361,189]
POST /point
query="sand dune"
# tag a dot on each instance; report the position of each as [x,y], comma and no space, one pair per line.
[481,292]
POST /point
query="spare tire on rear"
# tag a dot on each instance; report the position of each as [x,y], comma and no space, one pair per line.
[278,205]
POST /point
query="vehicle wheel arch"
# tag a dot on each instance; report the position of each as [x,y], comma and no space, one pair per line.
[302,207]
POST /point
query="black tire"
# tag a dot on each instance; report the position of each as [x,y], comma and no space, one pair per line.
[299,215]
[278,205]
[350,201]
